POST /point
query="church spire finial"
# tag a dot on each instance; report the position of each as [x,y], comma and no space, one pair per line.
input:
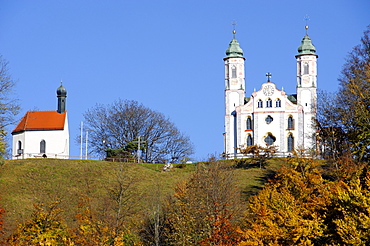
[234,31]
[234,49]
[307,18]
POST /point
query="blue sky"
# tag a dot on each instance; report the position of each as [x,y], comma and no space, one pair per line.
[167,55]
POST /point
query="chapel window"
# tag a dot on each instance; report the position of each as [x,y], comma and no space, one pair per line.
[290,142]
[42,146]
[19,150]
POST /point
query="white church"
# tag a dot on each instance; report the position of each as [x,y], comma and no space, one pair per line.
[43,134]
[270,116]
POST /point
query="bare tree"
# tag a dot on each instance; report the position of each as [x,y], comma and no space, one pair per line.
[9,106]
[332,138]
[153,230]
[118,125]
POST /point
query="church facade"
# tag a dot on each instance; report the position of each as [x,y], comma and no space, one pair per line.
[270,116]
[43,133]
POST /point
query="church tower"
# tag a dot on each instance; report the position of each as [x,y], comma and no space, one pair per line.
[61,94]
[234,92]
[306,91]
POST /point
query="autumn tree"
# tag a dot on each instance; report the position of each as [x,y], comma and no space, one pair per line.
[348,213]
[107,218]
[118,125]
[354,97]
[91,230]
[259,154]
[300,207]
[45,227]
[285,211]
[204,209]
[349,114]
[122,203]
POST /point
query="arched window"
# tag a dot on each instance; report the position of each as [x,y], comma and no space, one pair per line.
[19,150]
[278,103]
[260,103]
[290,142]
[233,72]
[269,119]
[269,103]
[249,123]
[270,139]
[305,68]
[42,146]
[249,140]
[290,122]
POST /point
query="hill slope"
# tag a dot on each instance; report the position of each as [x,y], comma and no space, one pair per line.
[25,182]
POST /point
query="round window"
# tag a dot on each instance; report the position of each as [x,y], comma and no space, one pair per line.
[270,139]
[269,119]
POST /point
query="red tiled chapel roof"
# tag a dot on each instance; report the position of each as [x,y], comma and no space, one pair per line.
[41,120]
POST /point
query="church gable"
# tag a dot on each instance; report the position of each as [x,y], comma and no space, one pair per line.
[268,98]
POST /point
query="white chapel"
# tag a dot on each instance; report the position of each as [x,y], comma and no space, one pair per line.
[43,133]
[270,116]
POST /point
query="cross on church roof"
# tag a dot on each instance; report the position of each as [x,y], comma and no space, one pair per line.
[268,75]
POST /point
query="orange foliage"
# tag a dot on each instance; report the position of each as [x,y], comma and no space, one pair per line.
[91,231]
[202,208]
[299,207]
[223,232]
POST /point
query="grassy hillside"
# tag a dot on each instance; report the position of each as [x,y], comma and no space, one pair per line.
[25,182]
